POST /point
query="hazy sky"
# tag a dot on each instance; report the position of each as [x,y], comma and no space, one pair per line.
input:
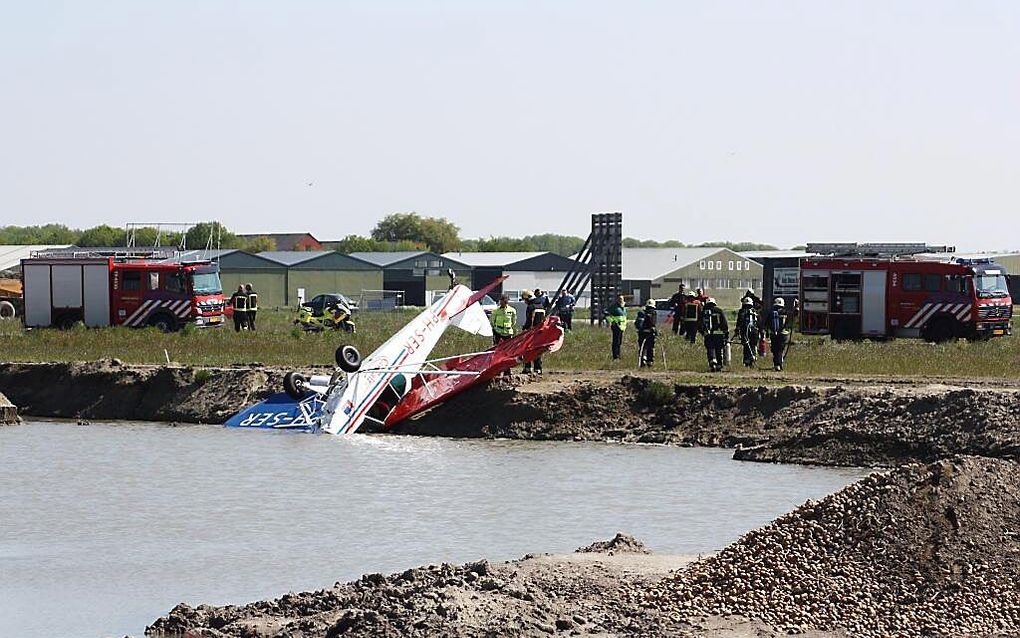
[781,122]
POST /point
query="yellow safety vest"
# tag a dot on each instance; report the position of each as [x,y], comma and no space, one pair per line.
[253,301]
[619,320]
[504,320]
[240,303]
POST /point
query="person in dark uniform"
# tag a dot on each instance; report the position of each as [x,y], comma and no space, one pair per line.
[564,307]
[676,302]
[253,305]
[646,329]
[716,330]
[747,330]
[692,316]
[779,332]
[533,318]
[239,302]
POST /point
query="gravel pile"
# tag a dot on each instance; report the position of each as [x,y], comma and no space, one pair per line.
[922,550]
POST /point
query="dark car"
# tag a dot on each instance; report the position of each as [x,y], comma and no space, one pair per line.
[319,302]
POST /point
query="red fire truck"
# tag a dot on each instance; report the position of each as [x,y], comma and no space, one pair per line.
[61,289]
[851,296]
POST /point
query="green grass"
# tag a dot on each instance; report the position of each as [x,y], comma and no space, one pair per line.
[586,348]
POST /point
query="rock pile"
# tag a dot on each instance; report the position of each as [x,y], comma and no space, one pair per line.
[619,544]
[923,550]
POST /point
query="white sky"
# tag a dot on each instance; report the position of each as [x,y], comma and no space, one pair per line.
[781,122]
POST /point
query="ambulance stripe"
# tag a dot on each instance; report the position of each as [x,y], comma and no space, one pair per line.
[964,315]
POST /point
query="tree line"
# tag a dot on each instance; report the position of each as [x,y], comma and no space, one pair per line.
[395,232]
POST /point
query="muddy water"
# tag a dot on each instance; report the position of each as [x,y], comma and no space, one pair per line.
[103,528]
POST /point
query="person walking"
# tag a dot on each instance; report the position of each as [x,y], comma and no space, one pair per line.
[676,303]
[533,318]
[253,305]
[565,309]
[779,333]
[616,316]
[747,330]
[692,317]
[646,329]
[755,299]
[239,302]
[716,331]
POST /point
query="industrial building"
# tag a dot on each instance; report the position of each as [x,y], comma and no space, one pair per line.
[412,273]
[524,270]
[656,272]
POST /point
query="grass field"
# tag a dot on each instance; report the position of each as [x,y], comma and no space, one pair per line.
[277,342]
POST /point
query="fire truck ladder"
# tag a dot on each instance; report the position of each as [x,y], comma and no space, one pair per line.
[876,250]
[600,263]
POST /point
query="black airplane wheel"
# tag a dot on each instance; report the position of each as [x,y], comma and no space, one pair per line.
[294,385]
[348,358]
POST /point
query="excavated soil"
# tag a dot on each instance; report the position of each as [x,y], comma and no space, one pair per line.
[852,426]
[923,550]
[880,424]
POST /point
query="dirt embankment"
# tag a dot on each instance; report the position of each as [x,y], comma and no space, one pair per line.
[8,413]
[882,424]
[795,424]
[106,389]
[923,550]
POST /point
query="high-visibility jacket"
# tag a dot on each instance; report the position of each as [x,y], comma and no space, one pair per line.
[691,310]
[504,321]
[253,301]
[240,302]
[617,316]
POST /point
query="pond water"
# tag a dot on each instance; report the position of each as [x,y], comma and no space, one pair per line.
[105,527]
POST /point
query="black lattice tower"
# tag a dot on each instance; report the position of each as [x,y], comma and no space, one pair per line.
[599,263]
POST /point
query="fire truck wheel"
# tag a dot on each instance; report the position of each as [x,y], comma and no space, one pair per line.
[7,310]
[293,385]
[164,322]
[939,330]
[66,321]
[348,358]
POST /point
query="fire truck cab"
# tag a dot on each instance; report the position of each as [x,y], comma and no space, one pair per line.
[850,297]
[102,290]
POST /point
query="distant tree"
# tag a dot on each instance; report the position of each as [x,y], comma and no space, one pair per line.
[47,234]
[259,244]
[199,234]
[438,234]
[565,245]
[737,246]
[630,242]
[102,235]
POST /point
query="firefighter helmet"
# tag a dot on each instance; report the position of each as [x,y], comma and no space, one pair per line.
[779,302]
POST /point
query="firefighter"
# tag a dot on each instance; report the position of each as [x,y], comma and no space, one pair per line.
[716,331]
[616,316]
[747,330]
[565,309]
[692,317]
[239,301]
[504,323]
[700,295]
[646,330]
[533,318]
[253,305]
[755,299]
[779,332]
[676,302]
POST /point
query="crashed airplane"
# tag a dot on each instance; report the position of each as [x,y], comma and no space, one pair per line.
[398,380]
